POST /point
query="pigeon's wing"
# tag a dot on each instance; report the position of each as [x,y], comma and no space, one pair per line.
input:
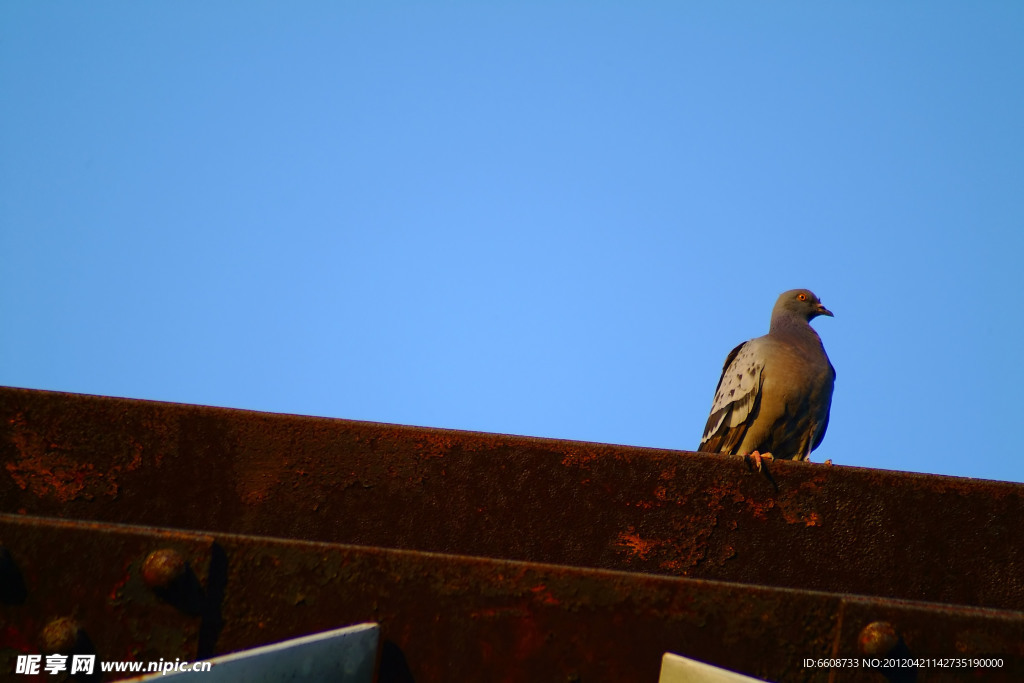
[737,399]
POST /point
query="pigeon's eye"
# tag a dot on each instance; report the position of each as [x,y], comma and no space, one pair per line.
[802,297]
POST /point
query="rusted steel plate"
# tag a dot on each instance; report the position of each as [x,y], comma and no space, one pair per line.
[446,618]
[809,526]
[84,587]
[928,642]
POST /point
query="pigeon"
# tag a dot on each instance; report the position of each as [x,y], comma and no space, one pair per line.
[775,393]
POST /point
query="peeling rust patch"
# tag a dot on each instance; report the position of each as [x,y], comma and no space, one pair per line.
[48,469]
[635,545]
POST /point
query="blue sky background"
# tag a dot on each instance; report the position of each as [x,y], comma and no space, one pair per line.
[550,219]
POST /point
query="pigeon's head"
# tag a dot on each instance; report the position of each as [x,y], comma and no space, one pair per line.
[801,303]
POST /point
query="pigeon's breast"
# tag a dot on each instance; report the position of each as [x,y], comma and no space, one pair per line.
[792,373]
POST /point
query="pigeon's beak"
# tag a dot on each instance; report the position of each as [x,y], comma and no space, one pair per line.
[821,310]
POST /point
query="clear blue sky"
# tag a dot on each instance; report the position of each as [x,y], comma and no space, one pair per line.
[551,219]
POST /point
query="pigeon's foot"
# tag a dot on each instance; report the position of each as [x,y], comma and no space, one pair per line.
[758,457]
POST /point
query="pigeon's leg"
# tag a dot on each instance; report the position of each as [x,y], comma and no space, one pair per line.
[758,457]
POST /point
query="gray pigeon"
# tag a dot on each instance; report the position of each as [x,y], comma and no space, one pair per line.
[775,393]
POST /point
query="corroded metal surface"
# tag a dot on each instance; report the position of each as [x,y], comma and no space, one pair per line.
[80,589]
[451,618]
[809,526]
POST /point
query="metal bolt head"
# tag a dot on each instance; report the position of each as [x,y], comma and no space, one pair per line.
[878,638]
[59,635]
[162,568]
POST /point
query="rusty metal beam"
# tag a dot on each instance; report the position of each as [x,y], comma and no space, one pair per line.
[56,577]
[447,618]
[834,529]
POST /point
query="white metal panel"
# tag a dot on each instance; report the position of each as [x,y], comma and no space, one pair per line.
[678,669]
[344,655]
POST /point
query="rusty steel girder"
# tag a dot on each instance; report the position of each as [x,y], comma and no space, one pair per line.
[805,526]
[452,618]
[54,575]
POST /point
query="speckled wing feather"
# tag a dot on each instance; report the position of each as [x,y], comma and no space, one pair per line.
[737,399]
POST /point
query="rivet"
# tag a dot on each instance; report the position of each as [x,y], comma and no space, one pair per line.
[60,635]
[162,568]
[878,638]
